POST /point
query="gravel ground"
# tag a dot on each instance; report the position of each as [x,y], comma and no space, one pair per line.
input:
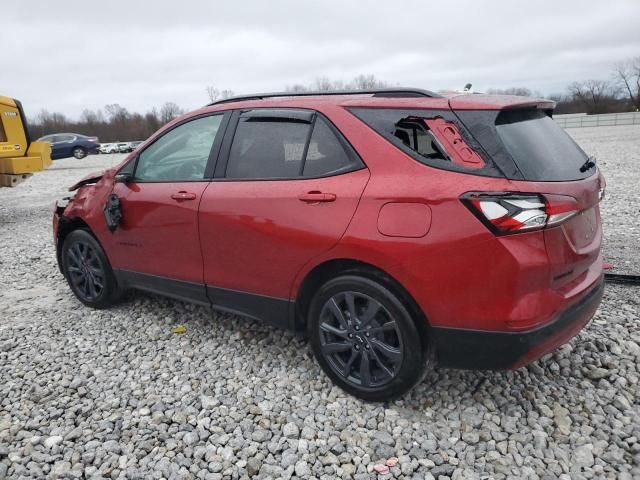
[116,394]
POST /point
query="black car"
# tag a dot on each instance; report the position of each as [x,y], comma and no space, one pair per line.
[70,145]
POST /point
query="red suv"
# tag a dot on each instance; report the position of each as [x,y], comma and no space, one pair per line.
[396,227]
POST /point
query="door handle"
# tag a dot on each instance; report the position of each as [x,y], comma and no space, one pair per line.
[182,195]
[317,197]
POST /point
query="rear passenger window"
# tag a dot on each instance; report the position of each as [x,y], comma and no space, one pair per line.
[326,155]
[267,148]
[283,148]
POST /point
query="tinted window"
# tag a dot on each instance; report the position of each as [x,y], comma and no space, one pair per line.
[3,136]
[180,154]
[326,155]
[541,149]
[267,148]
[398,126]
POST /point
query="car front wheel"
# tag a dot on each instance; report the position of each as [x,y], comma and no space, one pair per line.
[365,339]
[87,270]
[79,152]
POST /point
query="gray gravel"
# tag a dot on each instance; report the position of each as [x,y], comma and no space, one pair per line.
[116,394]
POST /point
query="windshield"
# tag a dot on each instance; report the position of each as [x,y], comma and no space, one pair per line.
[540,148]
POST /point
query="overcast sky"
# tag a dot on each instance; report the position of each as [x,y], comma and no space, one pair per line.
[70,55]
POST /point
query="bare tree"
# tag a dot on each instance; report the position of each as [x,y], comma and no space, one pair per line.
[216,94]
[227,93]
[363,82]
[595,95]
[213,93]
[295,88]
[628,77]
[520,91]
[325,84]
[169,111]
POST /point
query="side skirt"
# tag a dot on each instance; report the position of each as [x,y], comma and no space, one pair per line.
[272,310]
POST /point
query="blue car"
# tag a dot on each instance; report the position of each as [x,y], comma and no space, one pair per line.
[70,145]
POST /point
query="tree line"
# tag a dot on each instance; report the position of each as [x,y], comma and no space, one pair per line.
[619,93]
[114,124]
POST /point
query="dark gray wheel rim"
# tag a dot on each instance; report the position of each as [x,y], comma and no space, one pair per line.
[360,340]
[78,153]
[86,271]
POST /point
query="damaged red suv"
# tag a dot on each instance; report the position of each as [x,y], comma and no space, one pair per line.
[397,228]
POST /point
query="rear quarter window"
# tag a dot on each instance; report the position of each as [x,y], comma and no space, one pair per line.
[407,130]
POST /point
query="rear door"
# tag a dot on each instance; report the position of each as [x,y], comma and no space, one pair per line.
[285,191]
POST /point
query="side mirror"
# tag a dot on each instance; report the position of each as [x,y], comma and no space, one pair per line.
[123,177]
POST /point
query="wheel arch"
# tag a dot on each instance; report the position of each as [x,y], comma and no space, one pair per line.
[65,227]
[329,269]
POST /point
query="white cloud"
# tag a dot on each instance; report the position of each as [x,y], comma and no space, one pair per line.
[70,55]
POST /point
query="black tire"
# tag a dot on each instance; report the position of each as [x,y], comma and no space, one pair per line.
[87,270]
[79,152]
[347,348]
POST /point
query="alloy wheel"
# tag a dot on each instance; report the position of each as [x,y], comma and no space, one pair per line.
[85,270]
[360,339]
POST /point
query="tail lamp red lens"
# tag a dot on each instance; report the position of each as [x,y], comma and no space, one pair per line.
[506,213]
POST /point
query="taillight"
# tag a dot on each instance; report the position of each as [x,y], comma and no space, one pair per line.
[506,213]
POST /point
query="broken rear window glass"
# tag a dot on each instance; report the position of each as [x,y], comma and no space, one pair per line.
[416,136]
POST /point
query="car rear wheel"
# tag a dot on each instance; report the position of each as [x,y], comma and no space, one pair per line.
[364,338]
[79,152]
[87,270]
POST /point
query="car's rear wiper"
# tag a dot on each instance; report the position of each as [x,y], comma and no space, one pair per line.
[590,163]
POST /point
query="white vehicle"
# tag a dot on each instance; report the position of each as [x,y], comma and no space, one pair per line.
[124,147]
[108,148]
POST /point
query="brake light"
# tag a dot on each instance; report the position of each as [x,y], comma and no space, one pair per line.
[506,213]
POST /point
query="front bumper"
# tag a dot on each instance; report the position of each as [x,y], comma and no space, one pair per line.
[487,350]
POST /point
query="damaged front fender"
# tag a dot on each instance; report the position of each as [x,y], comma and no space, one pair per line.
[84,208]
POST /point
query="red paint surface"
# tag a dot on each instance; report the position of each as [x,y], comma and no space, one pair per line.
[258,236]
[409,220]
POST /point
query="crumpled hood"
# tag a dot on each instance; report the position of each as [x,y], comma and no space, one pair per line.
[89,179]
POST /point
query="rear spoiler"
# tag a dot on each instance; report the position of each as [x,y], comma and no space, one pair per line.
[499,102]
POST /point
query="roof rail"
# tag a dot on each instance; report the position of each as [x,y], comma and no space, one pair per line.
[376,92]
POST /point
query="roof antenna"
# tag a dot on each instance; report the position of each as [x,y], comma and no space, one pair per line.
[467,87]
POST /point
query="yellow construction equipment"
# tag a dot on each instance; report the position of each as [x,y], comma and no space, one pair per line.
[19,156]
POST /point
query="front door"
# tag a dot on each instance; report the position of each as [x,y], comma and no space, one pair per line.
[157,240]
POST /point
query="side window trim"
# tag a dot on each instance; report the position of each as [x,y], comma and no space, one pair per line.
[213,153]
[306,145]
[223,158]
[225,149]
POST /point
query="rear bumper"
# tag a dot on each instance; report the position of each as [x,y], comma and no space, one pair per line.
[487,350]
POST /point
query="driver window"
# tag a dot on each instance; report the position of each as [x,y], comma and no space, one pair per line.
[181,154]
